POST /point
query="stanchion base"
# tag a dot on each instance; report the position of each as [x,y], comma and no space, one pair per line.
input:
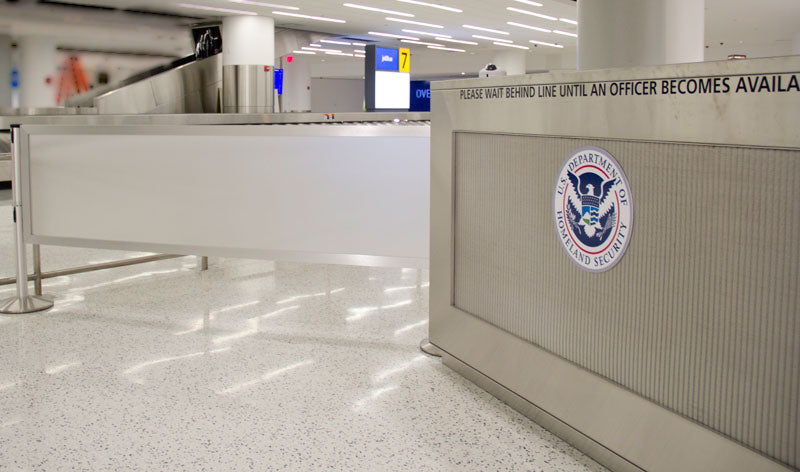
[12,306]
[429,349]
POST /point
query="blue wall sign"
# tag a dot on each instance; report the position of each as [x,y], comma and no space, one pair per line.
[420,95]
[279,81]
[386,59]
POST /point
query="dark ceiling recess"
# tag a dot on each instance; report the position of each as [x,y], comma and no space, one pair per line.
[76,5]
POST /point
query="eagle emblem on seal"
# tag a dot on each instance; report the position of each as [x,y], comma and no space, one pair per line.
[591,212]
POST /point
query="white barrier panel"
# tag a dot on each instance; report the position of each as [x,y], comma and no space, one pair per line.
[351,194]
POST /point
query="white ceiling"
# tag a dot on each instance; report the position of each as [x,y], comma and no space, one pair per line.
[764,25]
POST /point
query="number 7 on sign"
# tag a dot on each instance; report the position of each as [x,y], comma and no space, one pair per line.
[405,60]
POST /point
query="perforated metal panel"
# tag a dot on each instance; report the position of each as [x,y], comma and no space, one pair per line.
[715,249]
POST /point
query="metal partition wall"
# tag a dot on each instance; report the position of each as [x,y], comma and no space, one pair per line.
[344,193]
[685,355]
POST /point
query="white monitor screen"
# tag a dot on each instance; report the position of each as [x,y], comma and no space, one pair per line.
[392,90]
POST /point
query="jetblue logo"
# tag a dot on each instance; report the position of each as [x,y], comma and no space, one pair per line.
[386,58]
[592,209]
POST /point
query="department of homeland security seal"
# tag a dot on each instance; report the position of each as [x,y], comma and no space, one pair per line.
[592,209]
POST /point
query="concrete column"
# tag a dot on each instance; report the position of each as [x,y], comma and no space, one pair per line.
[5,71]
[248,59]
[297,85]
[38,60]
[684,31]
[513,62]
[625,33]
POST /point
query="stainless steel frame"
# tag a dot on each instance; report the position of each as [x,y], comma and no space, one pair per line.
[23,302]
[617,427]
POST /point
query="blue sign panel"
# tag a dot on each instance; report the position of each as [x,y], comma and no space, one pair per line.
[279,81]
[386,59]
[420,95]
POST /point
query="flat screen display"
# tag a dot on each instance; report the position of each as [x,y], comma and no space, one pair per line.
[392,90]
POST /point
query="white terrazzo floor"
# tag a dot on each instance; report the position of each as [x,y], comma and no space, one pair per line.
[252,365]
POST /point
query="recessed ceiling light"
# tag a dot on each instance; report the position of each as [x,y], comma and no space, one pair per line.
[221,10]
[481,28]
[535,28]
[412,22]
[359,55]
[381,10]
[446,49]
[450,40]
[358,44]
[262,4]
[390,35]
[340,53]
[565,33]
[422,43]
[320,49]
[330,41]
[545,43]
[309,17]
[432,5]
[511,45]
[313,45]
[359,51]
[304,52]
[530,2]
[567,20]
[526,12]
[425,33]
[489,38]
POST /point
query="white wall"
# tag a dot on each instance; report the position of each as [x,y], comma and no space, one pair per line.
[337,95]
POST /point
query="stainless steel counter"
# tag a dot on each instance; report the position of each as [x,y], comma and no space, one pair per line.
[80,116]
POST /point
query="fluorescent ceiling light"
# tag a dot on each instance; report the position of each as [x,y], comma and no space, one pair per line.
[412,22]
[511,45]
[262,4]
[221,10]
[535,28]
[330,41]
[358,44]
[489,30]
[359,55]
[359,51]
[450,40]
[446,49]
[381,10]
[425,33]
[567,20]
[309,17]
[526,12]
[530,2]
[565,33]
[339,54]
[432,5]
[545,44]
[390,35]
[320,49]
[489,38]
[314,45]
[304,52]
[422,43]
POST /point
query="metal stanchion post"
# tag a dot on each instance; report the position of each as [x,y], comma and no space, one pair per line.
[37,270]
[204,263]
[22,303]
